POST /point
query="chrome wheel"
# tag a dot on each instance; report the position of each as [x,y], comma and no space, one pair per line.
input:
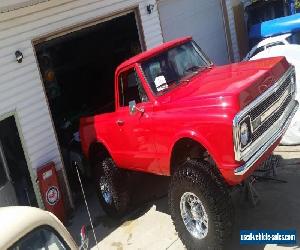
[194,215]
[105,190]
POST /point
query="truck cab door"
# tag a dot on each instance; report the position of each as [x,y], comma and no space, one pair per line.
[137,150]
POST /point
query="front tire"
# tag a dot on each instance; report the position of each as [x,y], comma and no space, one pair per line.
[111,187]
[200,207]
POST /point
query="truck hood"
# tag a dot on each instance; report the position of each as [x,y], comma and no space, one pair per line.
[242,81]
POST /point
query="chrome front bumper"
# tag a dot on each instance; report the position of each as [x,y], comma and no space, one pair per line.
[274,133]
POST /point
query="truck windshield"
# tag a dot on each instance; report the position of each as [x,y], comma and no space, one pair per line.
[174,66]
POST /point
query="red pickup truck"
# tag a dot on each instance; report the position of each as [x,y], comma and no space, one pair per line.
[208,127]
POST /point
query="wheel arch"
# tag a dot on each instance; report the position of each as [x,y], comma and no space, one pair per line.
[193,147]
[98,148]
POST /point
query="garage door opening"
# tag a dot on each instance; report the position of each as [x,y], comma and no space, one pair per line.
[78,76]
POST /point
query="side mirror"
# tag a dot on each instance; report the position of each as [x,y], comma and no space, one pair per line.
[133,108]
[84,240]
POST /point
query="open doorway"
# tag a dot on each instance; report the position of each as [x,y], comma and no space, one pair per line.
[78,75]
[15,183]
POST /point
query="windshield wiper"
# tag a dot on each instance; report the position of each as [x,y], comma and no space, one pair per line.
[197,69]
[184,80]
[193,68]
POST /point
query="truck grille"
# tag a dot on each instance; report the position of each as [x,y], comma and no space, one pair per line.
[258,110]
[263,115]
[270,121]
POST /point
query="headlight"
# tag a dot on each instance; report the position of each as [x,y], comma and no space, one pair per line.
[244,134]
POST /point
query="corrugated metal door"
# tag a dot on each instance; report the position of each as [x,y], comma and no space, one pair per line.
[201,19]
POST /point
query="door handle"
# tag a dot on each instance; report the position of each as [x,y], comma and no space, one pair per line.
[120,122]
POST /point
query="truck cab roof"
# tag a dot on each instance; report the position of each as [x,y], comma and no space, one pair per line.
[152,52]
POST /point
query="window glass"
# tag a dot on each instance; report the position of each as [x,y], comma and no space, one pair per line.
[131,88]
[169,68]
[3,177]
[42,238]
[294,38]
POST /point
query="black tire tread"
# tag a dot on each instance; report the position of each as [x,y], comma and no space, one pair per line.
[196,175]
[117,179]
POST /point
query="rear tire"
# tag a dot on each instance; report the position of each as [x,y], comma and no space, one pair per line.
[200,206]
[111,187]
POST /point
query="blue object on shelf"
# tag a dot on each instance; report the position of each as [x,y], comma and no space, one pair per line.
[282,25]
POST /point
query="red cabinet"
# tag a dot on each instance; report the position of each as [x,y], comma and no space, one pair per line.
[50,190]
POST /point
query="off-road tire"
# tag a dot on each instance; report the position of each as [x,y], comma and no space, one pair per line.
[193,177]
[117,181]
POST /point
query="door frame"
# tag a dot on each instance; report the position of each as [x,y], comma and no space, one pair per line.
[93,22]
[32,173]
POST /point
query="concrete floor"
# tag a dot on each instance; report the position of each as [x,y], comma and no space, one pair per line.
[149,225]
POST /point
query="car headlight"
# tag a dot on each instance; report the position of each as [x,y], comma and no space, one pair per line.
[244,134]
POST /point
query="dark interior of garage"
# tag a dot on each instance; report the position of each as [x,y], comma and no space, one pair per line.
[78,75]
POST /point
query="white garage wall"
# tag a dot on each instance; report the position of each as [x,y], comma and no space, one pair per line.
[21,88]
[201,19]
[8,5]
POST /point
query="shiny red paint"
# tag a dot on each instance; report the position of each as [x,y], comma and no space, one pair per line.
[202,110]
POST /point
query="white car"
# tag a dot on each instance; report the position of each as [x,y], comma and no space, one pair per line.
[32,228]
[269,42]
[292,54]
